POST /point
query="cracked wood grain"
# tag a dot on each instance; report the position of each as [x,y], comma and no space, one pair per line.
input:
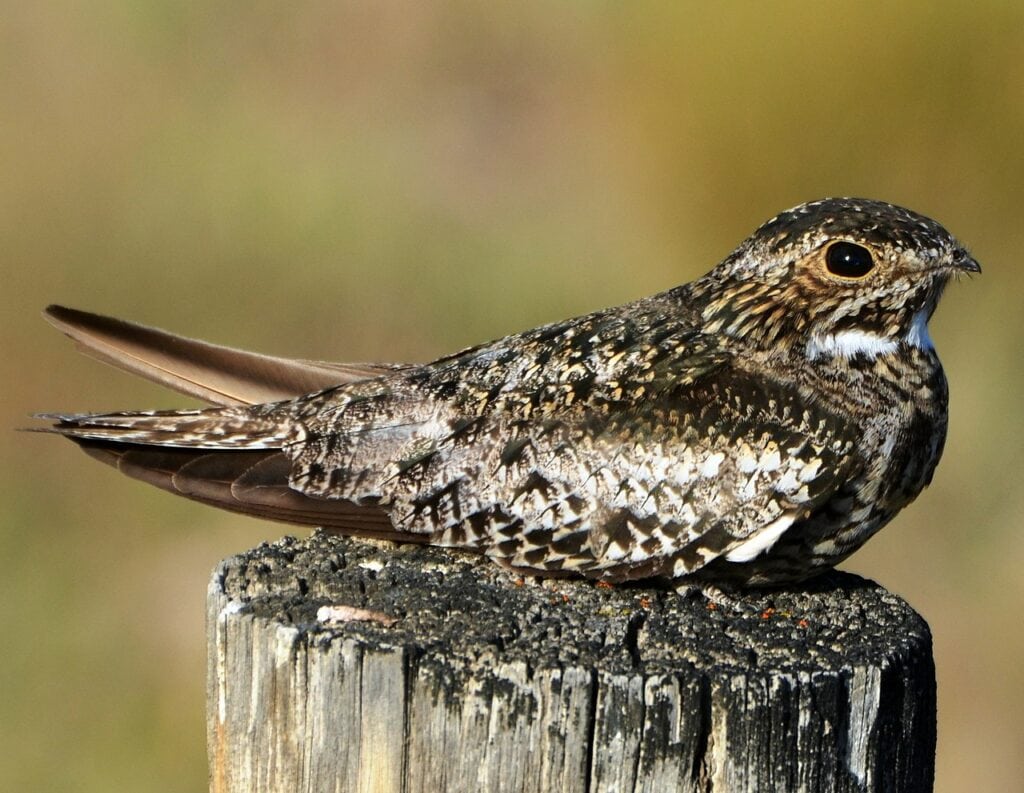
[470,678]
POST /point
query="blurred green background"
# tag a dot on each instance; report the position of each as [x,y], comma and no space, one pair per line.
[388,181]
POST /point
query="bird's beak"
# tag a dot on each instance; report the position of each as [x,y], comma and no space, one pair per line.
[966,264]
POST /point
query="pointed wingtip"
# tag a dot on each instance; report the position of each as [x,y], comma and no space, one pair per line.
[54,311]
[61,317]
[210,372]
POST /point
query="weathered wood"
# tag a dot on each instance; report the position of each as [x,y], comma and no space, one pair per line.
[490,682]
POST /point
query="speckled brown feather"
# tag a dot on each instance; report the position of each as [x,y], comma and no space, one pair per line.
[754,426]
[210,372]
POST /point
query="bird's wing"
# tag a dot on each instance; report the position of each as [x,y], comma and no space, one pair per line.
[714,464]
[721,469]
[597,451]
[213,373]
[657,467]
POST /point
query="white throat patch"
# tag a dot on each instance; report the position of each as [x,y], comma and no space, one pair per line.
[918,336]
[849,343]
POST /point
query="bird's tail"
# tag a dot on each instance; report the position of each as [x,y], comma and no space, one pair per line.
[213,428]
[225,457]
[230,456]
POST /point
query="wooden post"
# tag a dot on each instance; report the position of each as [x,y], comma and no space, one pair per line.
[339,665]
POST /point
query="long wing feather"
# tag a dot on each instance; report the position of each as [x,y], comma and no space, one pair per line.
[216,374]
[248,482]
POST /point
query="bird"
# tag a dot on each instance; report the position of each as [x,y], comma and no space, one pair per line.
[751,428]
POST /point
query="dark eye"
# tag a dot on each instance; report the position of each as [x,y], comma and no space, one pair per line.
[849,260]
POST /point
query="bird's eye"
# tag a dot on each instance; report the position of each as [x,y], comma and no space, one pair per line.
[849,260]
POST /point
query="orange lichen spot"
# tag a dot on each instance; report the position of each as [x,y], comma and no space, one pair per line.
[603,585]
[768,613]
[802,624]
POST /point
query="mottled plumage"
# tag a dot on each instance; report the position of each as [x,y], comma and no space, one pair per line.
[754,426]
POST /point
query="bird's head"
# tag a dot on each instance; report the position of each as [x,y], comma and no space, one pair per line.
[836,277]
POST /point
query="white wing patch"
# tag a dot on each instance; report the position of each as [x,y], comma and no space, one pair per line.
[761,541]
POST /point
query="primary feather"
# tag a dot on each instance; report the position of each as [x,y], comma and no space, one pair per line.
[210,372]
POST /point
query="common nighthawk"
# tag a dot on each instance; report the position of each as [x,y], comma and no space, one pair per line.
[755,426]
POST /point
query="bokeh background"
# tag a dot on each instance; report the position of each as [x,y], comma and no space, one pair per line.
[381,181]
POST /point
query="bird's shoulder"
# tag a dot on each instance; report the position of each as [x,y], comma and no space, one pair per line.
[597,362]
